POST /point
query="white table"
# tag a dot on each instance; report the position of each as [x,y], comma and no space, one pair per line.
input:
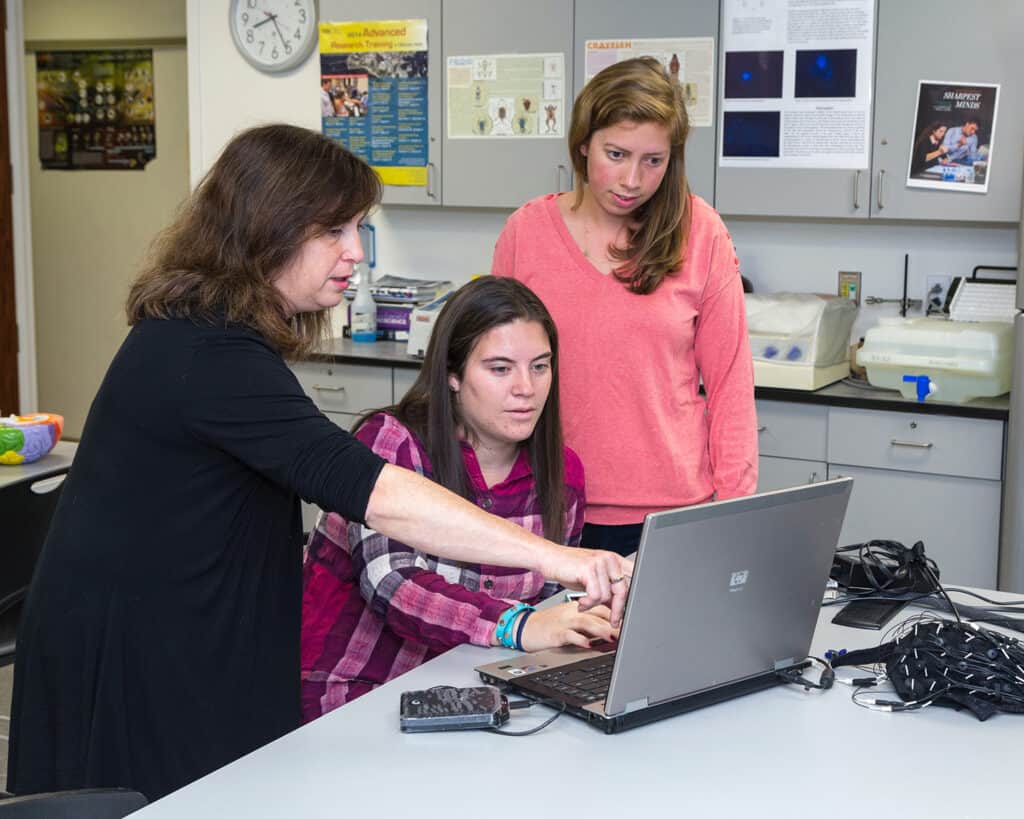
[781,752]
[55,461]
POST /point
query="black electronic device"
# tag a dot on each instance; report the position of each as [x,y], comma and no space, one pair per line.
[884,567]
[868,613]
[447,708]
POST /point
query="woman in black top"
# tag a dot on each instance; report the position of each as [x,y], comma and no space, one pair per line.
[929,148]
[160,639]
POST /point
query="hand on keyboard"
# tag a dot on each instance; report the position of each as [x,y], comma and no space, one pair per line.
[565,625]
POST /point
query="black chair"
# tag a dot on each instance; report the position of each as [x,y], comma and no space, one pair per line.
[25,509]
[92,803]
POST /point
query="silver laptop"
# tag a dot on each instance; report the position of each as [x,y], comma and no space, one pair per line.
[724,596]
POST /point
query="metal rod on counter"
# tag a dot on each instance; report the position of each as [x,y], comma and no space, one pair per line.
[903,302]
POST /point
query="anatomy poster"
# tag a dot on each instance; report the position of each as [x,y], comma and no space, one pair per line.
[517,96]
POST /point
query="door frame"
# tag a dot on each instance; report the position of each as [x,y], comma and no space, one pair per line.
[21,214]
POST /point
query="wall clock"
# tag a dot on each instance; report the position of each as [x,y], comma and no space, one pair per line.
[274,35]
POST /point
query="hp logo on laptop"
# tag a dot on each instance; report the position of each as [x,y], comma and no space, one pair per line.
[738,580]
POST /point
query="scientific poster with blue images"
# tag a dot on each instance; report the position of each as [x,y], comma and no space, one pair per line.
[796,83]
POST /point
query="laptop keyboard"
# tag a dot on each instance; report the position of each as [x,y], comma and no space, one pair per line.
[587,680]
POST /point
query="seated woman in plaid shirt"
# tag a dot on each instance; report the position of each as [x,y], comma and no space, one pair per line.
[482,420]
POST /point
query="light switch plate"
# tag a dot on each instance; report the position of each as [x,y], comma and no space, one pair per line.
[849,285]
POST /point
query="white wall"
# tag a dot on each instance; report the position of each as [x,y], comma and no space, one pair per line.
[226,95]
[91,229]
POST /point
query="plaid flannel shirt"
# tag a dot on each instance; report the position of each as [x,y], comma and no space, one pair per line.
[374,608]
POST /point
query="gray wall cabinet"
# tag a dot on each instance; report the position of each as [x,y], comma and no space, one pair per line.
[915,40]
[612,19]
[493,172]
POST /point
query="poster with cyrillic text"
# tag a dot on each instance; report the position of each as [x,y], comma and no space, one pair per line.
[796,83]
[690,61]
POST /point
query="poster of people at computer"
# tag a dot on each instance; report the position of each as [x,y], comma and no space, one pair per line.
[954,131]
[796,80]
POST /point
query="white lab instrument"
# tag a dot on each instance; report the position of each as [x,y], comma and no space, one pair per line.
[421,324]
[799,340]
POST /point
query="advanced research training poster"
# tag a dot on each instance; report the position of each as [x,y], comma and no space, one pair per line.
[373,95]
[796,83]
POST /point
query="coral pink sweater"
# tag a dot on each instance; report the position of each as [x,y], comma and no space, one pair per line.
[631,366]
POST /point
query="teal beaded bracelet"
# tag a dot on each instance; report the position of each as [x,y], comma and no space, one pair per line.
[505,630]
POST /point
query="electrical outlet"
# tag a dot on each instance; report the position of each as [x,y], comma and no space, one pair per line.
[849,285]
[935,289]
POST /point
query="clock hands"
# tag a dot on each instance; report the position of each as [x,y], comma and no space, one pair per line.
[284,42]
[272,18]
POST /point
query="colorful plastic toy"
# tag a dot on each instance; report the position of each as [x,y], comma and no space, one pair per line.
[27,438]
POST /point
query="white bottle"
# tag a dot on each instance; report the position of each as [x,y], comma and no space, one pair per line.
[363,313]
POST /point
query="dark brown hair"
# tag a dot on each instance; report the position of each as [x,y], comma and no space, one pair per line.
[639,90]
[429,410]
[271,189]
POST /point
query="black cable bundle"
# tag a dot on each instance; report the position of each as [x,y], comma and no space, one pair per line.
[885,568]
[941,662]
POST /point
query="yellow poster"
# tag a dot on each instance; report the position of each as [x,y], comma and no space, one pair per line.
[373,95]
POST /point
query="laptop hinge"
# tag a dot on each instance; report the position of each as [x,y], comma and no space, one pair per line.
[787,663]
[636,705]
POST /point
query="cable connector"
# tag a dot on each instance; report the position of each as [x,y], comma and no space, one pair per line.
[862,682]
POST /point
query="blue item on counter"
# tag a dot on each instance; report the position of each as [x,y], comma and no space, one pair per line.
[924,385]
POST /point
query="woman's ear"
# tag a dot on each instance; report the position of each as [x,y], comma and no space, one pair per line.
[453,382]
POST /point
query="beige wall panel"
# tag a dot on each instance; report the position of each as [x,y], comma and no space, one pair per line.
[90,231]
[103,19]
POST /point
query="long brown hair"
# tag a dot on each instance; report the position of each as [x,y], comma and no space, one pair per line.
[429,410]
[272,188]
[639,90]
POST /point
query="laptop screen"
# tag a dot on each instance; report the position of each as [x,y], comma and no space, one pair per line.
[724,591]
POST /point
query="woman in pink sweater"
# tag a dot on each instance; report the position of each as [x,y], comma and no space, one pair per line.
[644,285]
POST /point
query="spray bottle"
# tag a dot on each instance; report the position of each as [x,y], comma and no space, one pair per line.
[363,315]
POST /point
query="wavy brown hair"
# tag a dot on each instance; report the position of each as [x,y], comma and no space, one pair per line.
[430,412]
[272,188]
[640,90]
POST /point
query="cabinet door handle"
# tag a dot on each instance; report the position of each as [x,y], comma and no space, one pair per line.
[327,388]
[813,477]
[761,429]
[914,444]
[856,191]
[47,485]
[881,181]
[431,170]
[558,177]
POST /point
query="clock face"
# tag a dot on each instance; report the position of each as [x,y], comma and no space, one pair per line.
[274,35]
